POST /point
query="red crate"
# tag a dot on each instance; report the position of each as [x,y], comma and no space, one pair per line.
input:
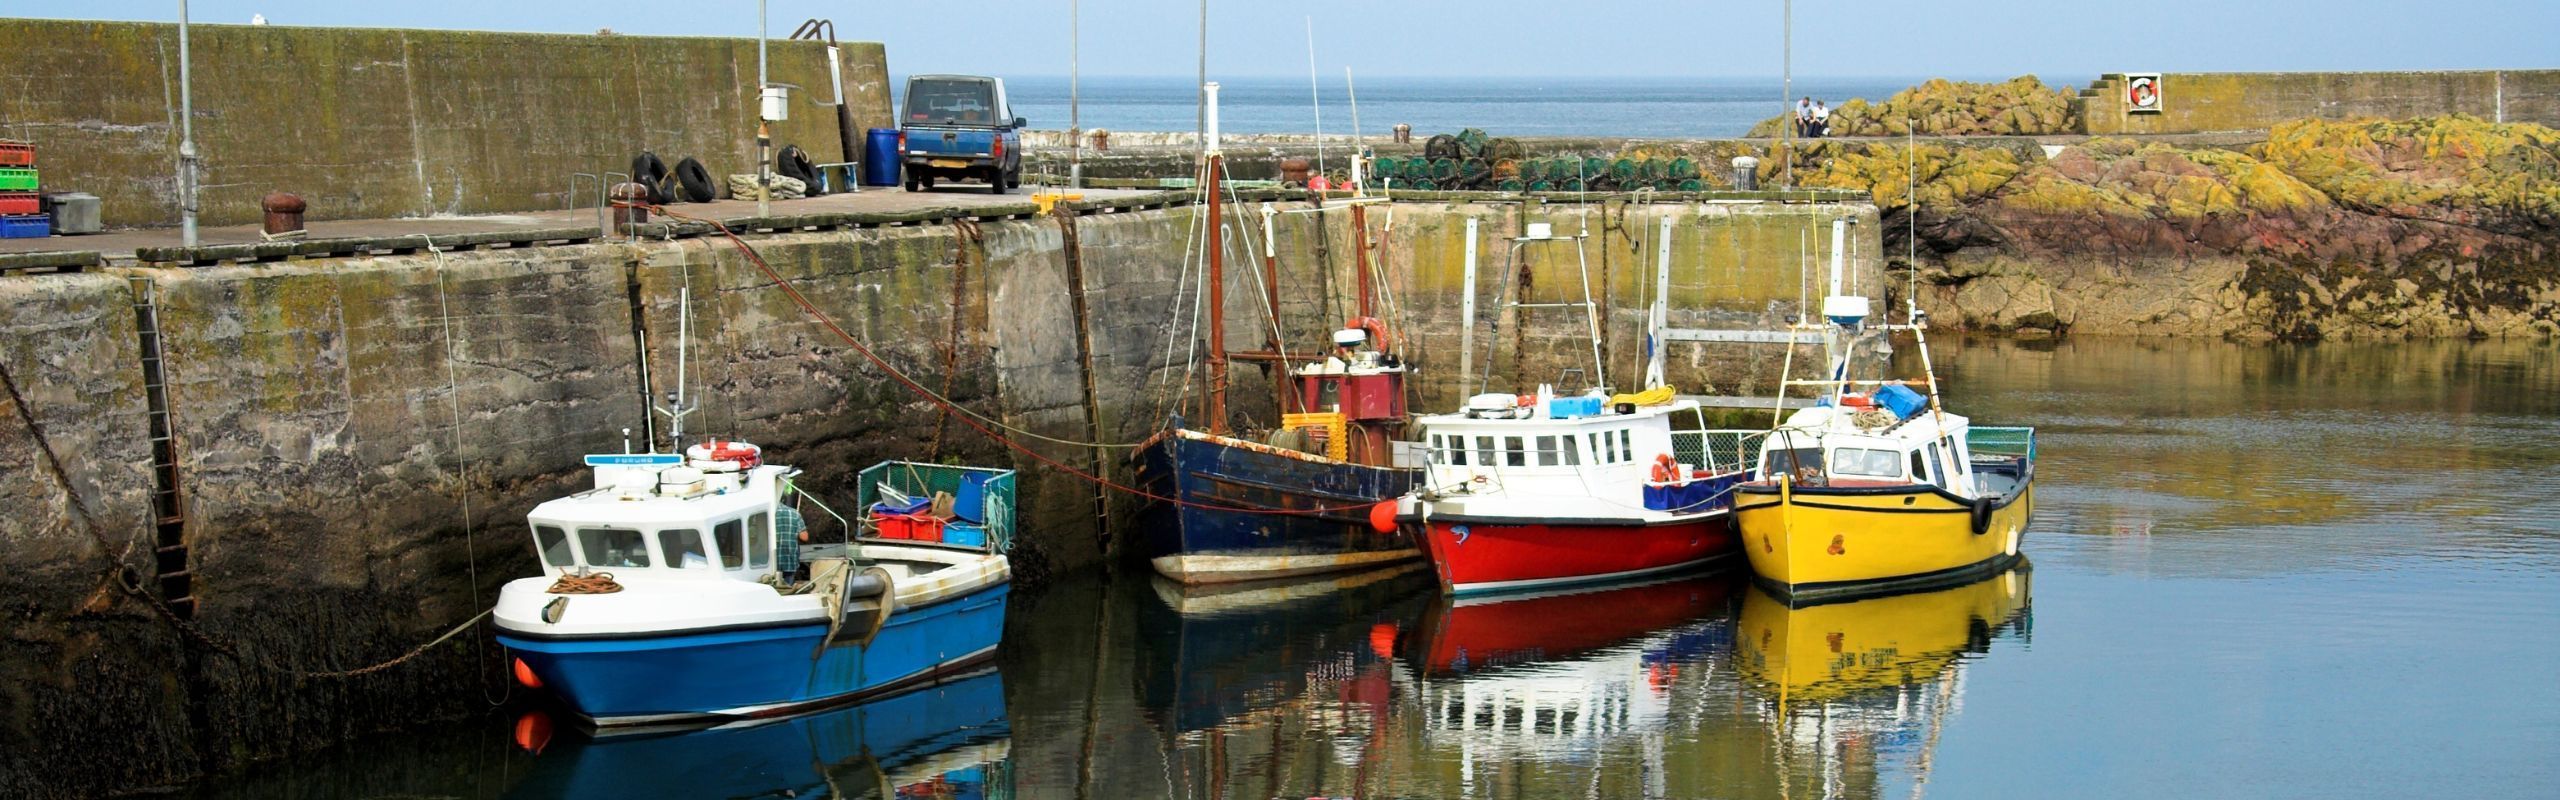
[915,527]
[20,203]
[17,154]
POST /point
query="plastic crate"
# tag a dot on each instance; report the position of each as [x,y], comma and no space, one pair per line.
[20,203]
[912,527]
[28,227]
[17,179]
[17,154]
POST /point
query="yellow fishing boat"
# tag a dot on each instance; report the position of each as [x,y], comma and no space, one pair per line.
[1877,488]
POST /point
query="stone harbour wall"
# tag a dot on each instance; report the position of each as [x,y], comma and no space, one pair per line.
[373,123]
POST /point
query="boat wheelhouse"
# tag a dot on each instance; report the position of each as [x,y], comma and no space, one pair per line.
[1522,495]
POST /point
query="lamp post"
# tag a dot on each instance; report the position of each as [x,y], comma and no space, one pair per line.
[186,136]
[764,132]
[1075,119]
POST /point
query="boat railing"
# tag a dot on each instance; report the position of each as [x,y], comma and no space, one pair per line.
[1717,451]
[917,479]
[2002,442]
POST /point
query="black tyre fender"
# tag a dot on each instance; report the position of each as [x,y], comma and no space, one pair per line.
[696,181]
[1981,515]
[794,163]
[650,171]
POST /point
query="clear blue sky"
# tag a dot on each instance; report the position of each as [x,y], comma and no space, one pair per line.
[1978,38]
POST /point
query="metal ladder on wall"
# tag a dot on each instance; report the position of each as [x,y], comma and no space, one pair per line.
[168,508]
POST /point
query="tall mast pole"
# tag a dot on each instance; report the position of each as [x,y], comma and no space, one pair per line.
[1360,254]
[1213,163]
[186,136]
[1075,117]
[1786,94]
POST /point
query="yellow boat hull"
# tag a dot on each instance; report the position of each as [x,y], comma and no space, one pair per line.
[1817,543]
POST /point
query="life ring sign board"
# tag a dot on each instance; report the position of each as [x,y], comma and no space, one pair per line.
[2142,92]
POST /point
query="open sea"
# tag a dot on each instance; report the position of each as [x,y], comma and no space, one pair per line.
[1630,107]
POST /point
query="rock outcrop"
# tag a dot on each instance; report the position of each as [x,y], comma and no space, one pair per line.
[1940,107]
[2443,226]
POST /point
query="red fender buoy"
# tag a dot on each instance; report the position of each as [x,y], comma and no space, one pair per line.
[525,676]
[1382,517]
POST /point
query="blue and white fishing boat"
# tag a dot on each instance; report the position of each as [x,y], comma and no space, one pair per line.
[669,593]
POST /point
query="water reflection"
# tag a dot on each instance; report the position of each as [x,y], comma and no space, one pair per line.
[950,741]
[1858,685]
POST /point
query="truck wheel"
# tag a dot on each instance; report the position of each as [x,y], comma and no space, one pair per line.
[995,180]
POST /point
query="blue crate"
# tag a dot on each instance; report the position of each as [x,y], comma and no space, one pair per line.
[1571,407]
[970,534]
[1901,400]
[35,226]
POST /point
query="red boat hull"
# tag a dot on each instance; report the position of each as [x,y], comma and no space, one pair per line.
[1500,555]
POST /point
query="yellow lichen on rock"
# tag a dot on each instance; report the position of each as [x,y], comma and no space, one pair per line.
[2430,165]
[2018,106]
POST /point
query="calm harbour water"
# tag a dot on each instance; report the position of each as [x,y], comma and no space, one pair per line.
[2258,570]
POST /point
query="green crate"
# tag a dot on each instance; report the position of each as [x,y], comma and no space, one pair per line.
[917,479]
[17,179]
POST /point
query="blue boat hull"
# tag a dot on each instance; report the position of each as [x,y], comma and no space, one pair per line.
[1226,491]
[764,671]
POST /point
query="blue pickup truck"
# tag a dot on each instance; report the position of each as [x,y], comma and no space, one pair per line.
[958,127]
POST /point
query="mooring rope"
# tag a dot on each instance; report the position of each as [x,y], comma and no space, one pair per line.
[130,583]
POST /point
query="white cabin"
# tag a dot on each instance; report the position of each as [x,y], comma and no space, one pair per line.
[1531,464]
[664,516]
[1826,446]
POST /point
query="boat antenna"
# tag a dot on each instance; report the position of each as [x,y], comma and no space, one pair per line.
[1314,94]
[1359,147]
[676,409]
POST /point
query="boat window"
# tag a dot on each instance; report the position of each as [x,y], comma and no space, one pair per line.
[1572,450]
[1863,461]
[554,544]
[1937,467]
[1599,454]
[1803,462]
[612,548]
[683,548]
[1484,451]
[1955,459]
[1918,475]
[759,540]
[726,536]
[1511,452]
[1454,448]
[1546,451]
[1329,394]
[1626,445]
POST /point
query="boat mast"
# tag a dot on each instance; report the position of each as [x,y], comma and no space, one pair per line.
[675,409]
[1359,252]
[1212,163]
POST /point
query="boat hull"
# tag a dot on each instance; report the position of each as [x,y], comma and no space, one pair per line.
[1221,529]
[1818,544]
[1480,555]
[663,678]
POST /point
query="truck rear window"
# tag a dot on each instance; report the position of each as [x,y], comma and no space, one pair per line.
[951,102]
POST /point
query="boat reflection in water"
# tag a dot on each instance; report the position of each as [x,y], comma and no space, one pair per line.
[1233,653]
[948,740]
[1870,683]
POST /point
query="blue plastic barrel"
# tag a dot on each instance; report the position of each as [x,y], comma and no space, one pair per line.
[971,502]
[880,160]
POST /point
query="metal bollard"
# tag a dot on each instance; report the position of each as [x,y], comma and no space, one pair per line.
[284,213]
[1293,171]
[1746,173]
[630,205]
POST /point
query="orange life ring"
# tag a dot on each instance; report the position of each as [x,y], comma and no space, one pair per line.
[1377,332]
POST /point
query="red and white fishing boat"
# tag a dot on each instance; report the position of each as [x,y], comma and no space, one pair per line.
[1526,494]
